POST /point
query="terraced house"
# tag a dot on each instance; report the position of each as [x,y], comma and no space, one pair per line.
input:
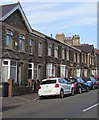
[29,54]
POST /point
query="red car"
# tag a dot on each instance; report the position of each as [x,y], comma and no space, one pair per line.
[97,80]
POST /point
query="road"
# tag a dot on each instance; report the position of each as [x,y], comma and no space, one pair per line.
[78,106]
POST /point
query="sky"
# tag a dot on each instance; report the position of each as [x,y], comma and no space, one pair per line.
[71,17]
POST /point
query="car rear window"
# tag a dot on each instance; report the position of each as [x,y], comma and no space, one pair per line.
[48,82]
[72,80]
[86,79]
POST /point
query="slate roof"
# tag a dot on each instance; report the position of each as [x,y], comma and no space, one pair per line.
[9,55]
[7,8]
[86,48]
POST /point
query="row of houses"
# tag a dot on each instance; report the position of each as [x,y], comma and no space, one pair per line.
[29,54]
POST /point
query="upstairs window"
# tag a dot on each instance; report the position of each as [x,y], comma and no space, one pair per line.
[63,53]
[31,46]
[78,58]
[82,57]
[49,49]
[56,51]
[21,42]
[9,39]
[74,57]
[67,54]
[40,48]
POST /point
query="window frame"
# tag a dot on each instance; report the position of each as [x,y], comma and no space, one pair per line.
[56,48]
[32,68]
[31,46]
[63,53]
[49,49]
[21,42]
[9,35]
[67,54]
[40,49]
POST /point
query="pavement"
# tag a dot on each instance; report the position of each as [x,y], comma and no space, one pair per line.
[16,100]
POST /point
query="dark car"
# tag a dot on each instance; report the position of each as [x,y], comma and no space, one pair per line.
[79,84]
[97,80]
[91,81]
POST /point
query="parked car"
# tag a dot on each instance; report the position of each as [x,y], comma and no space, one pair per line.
[55,87]
[97,80]
[91,81]
[79,85]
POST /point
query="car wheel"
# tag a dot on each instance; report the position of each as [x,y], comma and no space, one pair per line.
[87,89]
[41,97]
[72,91]
[61,93]
[79,90]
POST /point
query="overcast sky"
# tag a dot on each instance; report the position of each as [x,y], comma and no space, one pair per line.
[66,16]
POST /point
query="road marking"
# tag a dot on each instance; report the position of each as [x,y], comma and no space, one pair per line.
[90,107]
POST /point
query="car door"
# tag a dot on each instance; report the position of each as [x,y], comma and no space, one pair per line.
[82,84]
[67,86]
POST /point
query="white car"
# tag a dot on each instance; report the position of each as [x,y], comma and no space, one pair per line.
[55,86]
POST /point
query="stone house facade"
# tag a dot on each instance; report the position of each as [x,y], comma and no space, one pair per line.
[29,54]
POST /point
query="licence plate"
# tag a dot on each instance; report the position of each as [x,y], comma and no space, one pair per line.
[47,91]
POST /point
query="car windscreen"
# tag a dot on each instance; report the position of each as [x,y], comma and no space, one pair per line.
[48,82]
[92,79]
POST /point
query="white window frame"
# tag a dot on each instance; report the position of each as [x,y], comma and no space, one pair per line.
[62,70]
[32,68]
[78,73]
[14,67]
[36,71]
[9,68]
[50,70]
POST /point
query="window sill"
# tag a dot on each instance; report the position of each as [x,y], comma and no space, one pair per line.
[30,53]
[40,56]
[8,48]
[22,52]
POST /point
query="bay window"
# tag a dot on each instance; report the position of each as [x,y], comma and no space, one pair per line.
[50,70]
[9,70]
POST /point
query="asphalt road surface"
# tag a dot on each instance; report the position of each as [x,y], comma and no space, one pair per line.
[78,106]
